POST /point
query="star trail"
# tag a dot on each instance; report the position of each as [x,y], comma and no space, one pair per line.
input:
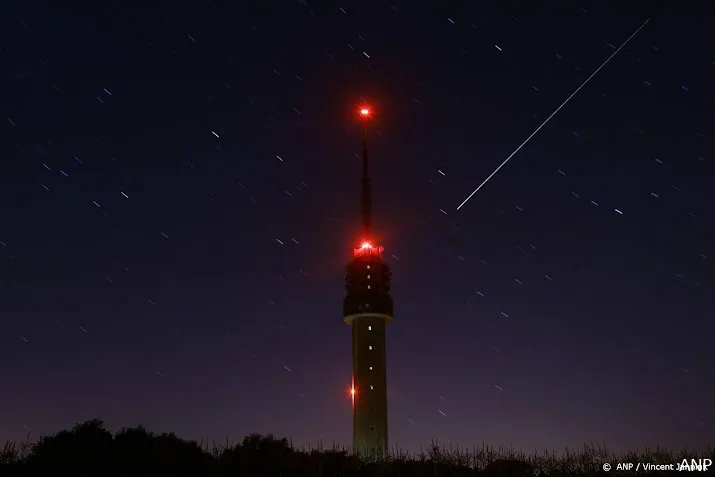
[180,192]
[552,114]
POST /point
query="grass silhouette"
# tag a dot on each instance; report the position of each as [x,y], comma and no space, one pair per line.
[89,449]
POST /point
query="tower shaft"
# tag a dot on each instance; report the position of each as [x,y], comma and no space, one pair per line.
[370,437]
[368,308]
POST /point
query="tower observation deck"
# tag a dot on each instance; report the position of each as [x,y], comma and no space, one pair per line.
[367,308]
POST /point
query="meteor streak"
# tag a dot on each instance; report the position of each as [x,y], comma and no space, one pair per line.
[552,115]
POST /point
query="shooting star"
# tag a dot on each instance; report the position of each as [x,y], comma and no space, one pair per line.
[552,114]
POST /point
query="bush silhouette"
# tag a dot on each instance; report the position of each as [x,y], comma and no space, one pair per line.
[86,448]
[89,449]
[137,452]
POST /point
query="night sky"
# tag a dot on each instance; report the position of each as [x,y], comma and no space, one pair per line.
[180,195]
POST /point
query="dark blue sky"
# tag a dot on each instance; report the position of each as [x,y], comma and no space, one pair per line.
[154,156]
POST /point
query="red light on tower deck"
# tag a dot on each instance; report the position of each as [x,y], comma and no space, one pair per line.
[367,249]
[364,112]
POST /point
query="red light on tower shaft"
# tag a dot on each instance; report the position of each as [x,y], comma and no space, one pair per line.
[352,391]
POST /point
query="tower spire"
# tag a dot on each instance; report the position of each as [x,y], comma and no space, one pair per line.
[366,190]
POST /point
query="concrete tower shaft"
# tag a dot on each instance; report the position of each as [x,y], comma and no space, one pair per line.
[367,307]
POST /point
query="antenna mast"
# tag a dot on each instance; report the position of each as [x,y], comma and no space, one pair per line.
[366,191]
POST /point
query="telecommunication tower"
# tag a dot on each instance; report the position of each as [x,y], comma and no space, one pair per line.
[367,308]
